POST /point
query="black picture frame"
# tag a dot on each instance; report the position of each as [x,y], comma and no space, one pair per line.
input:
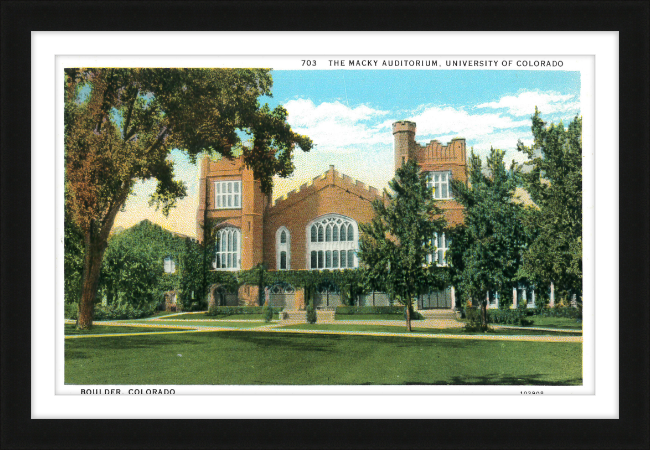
[630,19]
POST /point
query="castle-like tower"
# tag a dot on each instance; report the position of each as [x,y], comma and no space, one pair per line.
[404,136]
[444,161]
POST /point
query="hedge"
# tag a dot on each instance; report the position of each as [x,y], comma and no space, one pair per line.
[508,316]
[111,312]
[233,310]
[560,311]
[349,310]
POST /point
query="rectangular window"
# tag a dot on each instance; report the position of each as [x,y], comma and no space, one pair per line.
[350,258]
[440,183]
[328,259]
[441,243]
[283,260]
[227,194]
[335,258]
[320,259]
[314,260]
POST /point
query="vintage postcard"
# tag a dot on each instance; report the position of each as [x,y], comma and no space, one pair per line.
[340,224]
[353,220]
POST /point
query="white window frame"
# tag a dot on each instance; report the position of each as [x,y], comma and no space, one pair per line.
[169,265]
[436,249]
[228,249]
[282,247]
[324,226]
[227,194]
[443,179]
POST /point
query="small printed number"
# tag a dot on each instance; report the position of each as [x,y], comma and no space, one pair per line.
[308,62]
[531,392]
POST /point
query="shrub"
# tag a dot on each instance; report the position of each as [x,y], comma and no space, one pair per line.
[71,311]
[232,310]
[474,320]
[268,312]
[508,316]
[121,312]
[195,306]
[311,314]
[561,311]
[348,310]
[415,315]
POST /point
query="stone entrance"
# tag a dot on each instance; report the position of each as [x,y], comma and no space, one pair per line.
[220,296]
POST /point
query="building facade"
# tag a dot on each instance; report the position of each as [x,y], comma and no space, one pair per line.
[316,226]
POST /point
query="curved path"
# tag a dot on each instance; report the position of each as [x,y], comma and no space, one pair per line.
[274,327]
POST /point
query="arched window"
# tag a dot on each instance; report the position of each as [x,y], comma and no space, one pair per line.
[332,243]
[283,248]
[169,265]
[228,249]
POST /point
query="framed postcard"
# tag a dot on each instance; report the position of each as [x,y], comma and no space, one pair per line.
[356,222]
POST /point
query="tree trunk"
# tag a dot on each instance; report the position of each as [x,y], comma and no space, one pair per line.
[408,315]
[484,315]
[94,253]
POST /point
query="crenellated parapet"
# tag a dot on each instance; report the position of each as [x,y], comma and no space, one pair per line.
[434,151]
[331,178]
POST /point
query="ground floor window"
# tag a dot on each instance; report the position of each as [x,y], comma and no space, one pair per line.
[332,243]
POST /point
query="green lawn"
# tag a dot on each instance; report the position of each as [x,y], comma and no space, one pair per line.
[399,329]
[105,329]
[232,357]
[399,317]
[221,317]
[220,324]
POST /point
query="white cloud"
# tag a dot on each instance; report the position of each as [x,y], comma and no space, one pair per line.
[524,103]
[335,126]
[436,121]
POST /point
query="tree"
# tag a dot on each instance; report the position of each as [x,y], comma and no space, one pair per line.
[133,265]
[486,250]
[72,260]
[121,124]
[395,245]
[555,185]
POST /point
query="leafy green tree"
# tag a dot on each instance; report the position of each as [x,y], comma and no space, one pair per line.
[395,245]
[555,185]
[487,248]
[133,265]
[73,260]
[120,125]
[193,274]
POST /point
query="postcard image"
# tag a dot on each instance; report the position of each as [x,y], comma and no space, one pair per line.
[330,222]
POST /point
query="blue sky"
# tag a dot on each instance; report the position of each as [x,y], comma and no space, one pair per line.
[348,114]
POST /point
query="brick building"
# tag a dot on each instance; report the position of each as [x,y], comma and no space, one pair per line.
[317,225]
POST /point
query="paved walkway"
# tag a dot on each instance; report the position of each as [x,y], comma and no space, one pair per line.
[275,328]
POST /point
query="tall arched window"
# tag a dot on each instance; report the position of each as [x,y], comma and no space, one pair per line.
[332,243]
[228,249]
[283,248]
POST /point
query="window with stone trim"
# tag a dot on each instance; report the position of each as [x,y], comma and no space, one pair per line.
[283,248]
[228,249]
[332,243]
[227,194]
[440,182]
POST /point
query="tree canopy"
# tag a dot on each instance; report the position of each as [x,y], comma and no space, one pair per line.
[122,123]
[490,242]
[395,245]
[555,185]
